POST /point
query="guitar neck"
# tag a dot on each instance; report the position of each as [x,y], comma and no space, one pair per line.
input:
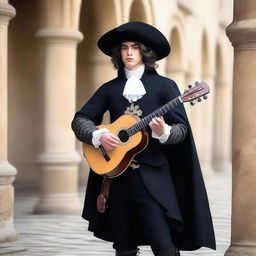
[157,113]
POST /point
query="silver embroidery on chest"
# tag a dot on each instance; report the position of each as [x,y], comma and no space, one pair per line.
[133,110]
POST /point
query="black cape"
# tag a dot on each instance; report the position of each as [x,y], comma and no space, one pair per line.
[180,189]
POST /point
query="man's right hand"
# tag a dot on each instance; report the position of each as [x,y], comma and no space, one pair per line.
[109,141]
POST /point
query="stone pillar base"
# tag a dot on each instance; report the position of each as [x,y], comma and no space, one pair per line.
[7,175]
[8,233]
[241,250]
[59,204]
[59,175]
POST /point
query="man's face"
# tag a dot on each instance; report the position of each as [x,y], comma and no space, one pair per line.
[131,56]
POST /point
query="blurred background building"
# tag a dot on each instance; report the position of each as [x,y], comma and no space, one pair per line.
[54,66]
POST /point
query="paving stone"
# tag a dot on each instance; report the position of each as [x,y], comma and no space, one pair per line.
[67,235]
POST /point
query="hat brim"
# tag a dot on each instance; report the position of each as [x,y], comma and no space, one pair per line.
[136,32]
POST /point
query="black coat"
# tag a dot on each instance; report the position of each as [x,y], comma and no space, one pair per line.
[177,184]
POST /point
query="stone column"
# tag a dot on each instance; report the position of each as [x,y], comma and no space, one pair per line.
[242,34]
[59,161]
[7,171]
[206,123]
[200,116]
[99,62]
[178,75]
[195,117]
[190,79]
[222,126]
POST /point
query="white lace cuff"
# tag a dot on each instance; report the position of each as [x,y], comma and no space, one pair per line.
[164,137]
[96,135]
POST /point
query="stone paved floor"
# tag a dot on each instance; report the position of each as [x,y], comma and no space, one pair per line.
[67,235]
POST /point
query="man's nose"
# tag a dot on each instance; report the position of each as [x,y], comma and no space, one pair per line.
[129,51]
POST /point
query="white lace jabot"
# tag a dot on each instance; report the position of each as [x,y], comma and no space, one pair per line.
[134,88]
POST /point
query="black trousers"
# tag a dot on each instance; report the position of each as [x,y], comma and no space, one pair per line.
[133,209]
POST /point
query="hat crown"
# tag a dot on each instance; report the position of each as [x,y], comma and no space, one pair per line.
[138,32]
[121,28]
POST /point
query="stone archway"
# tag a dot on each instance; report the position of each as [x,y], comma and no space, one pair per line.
[141,11]
[25,94]
[206,114]
[90,61]
[221,122]
[93,67]
[137,11]
[174,64]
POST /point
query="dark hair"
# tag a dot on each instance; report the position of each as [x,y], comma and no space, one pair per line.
[148,57]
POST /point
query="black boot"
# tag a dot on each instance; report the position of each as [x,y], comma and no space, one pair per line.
[168,252]
[128,252]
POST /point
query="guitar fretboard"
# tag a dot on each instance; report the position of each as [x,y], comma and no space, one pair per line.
[157,113]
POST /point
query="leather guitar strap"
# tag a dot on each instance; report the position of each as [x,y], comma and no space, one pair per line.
[103,196]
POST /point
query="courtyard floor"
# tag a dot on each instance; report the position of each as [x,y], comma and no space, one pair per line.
[67,235]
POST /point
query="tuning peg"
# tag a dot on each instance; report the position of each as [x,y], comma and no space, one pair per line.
[192,103]
[196,83]
[199,100]
[189,86]
[205,97]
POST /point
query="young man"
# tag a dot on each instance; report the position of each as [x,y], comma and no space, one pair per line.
[160,200]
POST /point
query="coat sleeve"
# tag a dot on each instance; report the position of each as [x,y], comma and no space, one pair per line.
[90,115]
[176,118]
[177,134]
[83,129]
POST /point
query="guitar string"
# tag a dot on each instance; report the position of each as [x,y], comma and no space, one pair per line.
[146,120]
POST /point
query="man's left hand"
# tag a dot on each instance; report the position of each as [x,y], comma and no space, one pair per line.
[157,125]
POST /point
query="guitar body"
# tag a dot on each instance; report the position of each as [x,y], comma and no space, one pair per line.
[122,156]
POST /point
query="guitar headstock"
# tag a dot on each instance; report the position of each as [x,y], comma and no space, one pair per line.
[196,92]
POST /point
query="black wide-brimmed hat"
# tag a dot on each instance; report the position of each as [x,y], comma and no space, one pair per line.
[135,32]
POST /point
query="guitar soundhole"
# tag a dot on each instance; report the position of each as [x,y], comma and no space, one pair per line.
[123,136]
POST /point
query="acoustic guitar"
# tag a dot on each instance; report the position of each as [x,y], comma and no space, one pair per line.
[133,136]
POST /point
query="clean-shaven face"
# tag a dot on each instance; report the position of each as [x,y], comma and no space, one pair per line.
[131,56]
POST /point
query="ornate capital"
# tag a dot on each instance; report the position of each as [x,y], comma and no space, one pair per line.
[7,12]
[242,34]
[60,35]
